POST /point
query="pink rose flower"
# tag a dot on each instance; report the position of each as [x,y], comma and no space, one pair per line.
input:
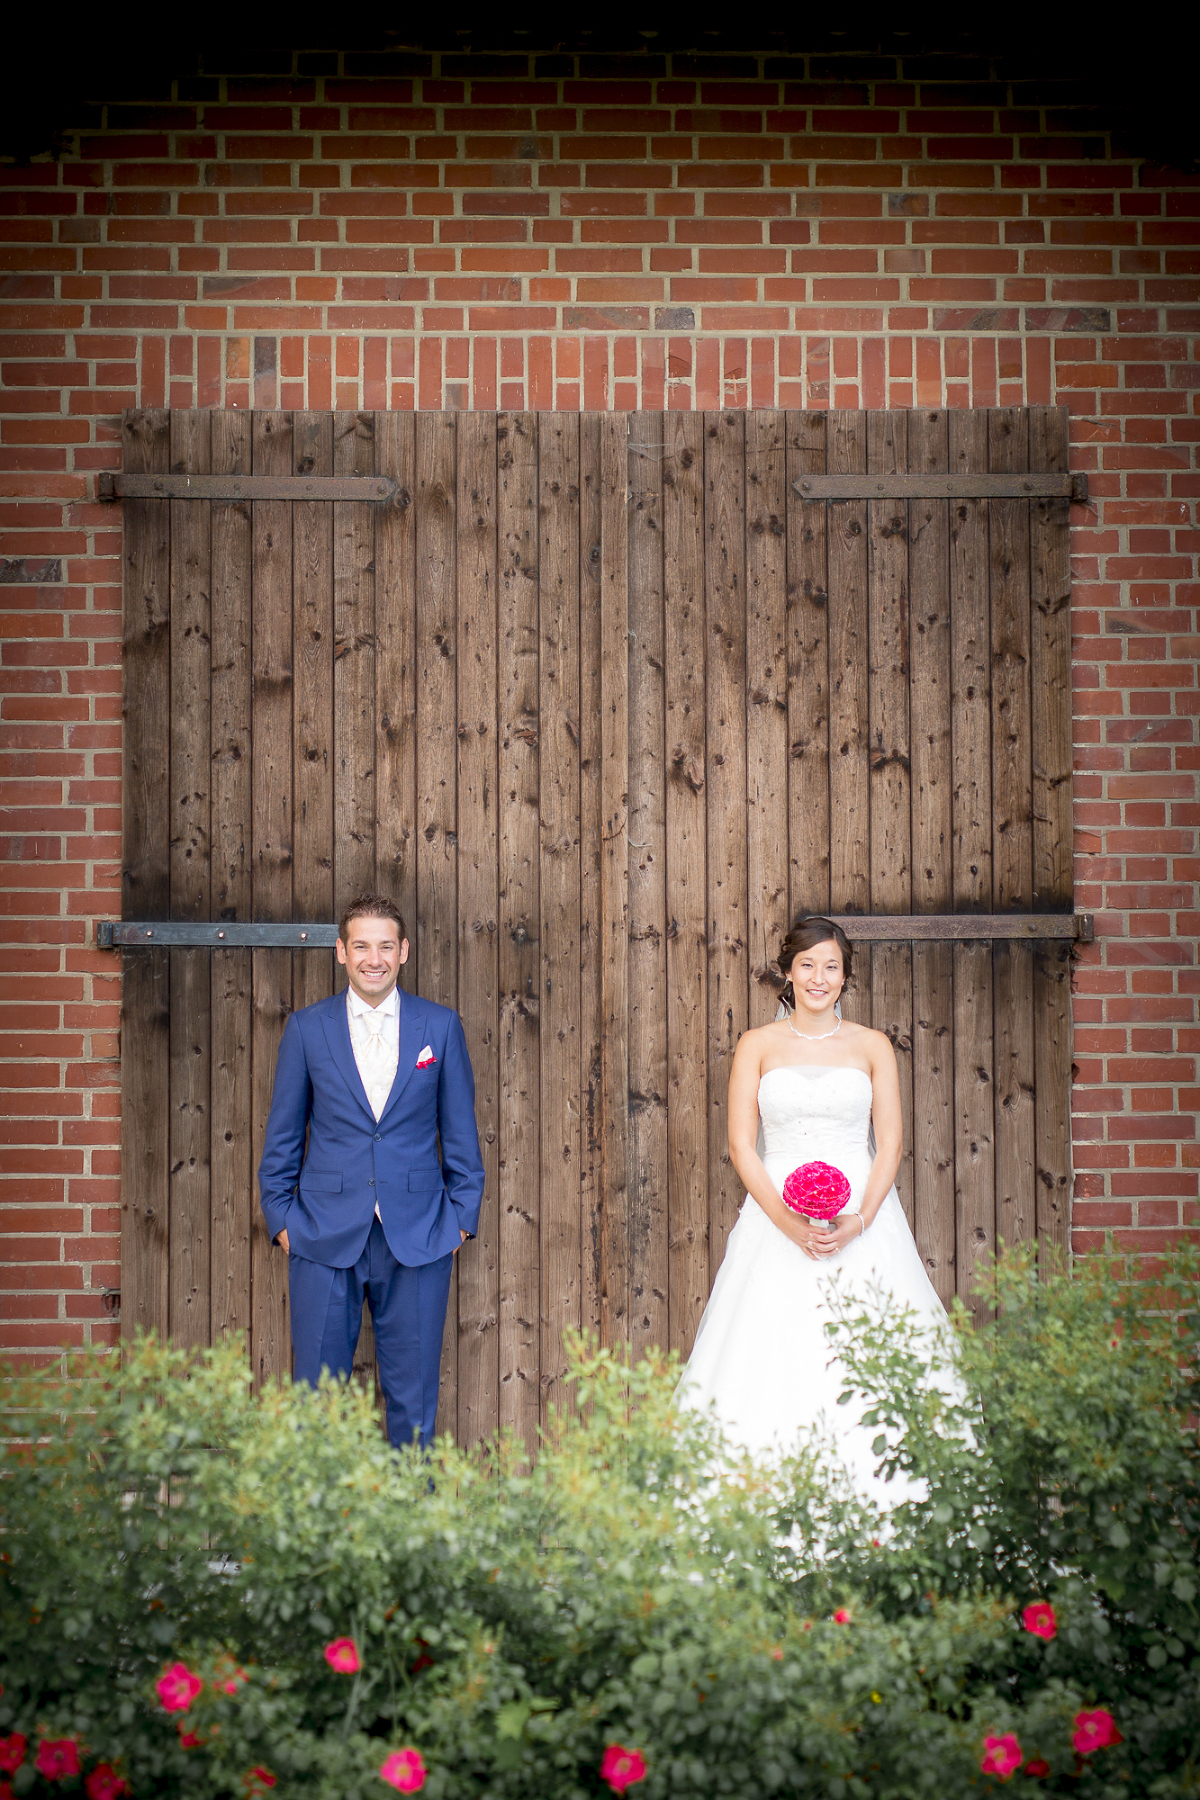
[817,1190]
[1001,1755]
[188,1740]
[103,1783]
[342,1655]
[1095,1731]
[257,1780]
[1039,1618]
[57,1758]
[621,1767]
[1037,1766]
[404,1770]
[842,1616]
[12,1752]
[177,1687]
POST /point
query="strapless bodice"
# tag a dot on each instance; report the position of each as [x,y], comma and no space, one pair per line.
[822,1107]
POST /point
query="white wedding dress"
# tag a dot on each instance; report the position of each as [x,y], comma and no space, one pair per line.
[763,1360]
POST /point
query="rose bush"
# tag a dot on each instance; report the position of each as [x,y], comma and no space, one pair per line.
[211,1593]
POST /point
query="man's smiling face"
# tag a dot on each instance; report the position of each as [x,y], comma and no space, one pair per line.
[372,955]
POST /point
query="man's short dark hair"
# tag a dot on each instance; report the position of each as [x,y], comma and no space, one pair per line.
[370,906]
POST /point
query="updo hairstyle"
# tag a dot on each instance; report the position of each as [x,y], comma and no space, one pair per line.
[805,932]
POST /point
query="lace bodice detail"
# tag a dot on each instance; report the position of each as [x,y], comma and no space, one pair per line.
[821,1106]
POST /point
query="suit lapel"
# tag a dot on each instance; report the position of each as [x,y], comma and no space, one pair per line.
[413,1020]
[336,1021]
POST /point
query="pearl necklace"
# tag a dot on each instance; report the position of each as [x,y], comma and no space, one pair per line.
[811,1037]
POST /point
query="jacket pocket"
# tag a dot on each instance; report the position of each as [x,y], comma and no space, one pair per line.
[424,1181]
[321,1181]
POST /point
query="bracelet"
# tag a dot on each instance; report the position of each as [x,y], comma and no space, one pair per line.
[863,1223]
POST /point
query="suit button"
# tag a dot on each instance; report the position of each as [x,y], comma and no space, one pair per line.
[378,1138]
[371,1183]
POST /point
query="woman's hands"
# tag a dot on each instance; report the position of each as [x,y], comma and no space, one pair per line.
[820,1241]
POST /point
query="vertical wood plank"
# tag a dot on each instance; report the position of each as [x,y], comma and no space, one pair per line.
[1012,833]
[191,674]
[271,856]
[890,760]
[559,930]
[591,876]
[974,1152]
[145,884]
[728,933]
[1052,1122]
[687,865]
[312,702]
[849,697]
[808,671]
[618,467]
[233,1187]
[1008,542]
[647,865]
[191,844]
[520,1091]
[766,705]
[970,661]
[478,899]
[395,678]
[932,886]
[1050,662]
[437,763]
[354,735]
[930,663]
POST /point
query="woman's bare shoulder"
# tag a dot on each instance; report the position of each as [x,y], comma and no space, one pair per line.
[865,1038]
[758,1039]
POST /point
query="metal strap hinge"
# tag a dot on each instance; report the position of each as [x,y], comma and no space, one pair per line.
[943,487]
[374,488]
[906,928]
[181,934]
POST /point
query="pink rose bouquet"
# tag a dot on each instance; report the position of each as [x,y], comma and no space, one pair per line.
[817,1190]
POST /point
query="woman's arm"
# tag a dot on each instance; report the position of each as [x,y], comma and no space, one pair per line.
[887,1120]
[743,1153]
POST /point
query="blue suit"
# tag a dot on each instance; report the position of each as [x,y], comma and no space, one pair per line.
[326,1195]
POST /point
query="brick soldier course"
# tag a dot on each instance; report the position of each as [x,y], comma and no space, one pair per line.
[441,230]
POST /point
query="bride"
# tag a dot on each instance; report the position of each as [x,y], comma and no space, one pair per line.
[822,1088]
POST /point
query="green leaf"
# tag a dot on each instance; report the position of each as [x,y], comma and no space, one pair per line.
[510,1719]
[508,1754]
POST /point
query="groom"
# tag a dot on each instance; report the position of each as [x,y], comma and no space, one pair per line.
[374,1082]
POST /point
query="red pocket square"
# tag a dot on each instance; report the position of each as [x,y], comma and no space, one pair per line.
[426,1058]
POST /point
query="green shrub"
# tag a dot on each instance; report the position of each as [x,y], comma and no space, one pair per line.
[741,1631]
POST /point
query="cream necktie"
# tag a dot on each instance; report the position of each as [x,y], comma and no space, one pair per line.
[373,1048]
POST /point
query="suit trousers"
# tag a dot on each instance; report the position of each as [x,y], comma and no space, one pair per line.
[408,1311]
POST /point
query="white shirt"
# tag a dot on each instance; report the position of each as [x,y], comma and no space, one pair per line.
[376,1060]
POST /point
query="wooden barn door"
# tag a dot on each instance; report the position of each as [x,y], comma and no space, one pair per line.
[601,700]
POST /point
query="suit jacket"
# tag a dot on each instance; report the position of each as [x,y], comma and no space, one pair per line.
[326,1197]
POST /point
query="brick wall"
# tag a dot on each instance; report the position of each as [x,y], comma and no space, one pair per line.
[400,231]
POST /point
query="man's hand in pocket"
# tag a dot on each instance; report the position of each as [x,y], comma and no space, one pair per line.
[282,1240]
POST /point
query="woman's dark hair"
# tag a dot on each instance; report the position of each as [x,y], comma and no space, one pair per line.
[805,932]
